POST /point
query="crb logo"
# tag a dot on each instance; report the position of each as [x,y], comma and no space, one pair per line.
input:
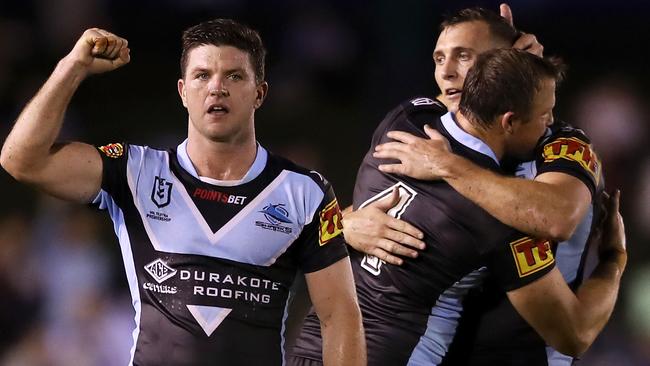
[160,271]
[161,192]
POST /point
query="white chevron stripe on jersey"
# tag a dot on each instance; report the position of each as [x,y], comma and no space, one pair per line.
[208,317]
[241,239]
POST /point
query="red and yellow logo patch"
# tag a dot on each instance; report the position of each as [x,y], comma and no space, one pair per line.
[531,255]
[114,150]
[331,222]
[576,150]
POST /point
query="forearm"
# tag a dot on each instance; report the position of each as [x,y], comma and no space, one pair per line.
[343,341]
[598,295]
[39,124]
[532,207]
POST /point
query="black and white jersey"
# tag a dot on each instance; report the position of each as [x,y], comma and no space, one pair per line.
[492,332]
[411,312]
[210,264]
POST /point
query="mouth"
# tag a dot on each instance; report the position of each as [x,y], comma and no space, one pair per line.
[453,93]
[217,109]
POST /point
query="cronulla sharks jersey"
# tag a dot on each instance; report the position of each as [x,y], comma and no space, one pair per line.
[410,312]
[210,264]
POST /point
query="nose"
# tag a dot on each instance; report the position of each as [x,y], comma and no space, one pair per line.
[550,121]
[449,69]
[217,88]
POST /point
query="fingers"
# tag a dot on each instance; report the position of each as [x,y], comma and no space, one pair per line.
[402,136]
[388,202]
[406,234]
[108,46]
[529,43]
[506,13]
[393,169]
[387,257]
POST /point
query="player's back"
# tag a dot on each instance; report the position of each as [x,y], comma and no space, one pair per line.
[491,331]
[411,311]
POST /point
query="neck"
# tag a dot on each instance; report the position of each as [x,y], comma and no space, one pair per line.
[491,138]
[221,160]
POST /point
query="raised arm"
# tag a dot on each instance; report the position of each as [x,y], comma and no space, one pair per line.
[570,322]
[334,298]
[551,206]
[70,171]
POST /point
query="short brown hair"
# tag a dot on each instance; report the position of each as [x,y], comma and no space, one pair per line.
[499,27]
[504,80]
[225,32]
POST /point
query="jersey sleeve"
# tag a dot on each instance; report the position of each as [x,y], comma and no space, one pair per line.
[569,151]
[321,241]
[114,180]
[520,261]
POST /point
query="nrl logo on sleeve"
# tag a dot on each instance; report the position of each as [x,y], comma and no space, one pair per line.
[112,150]
[331,222]
[531,255]
[161,192]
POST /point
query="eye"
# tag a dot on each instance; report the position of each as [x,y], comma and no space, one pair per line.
[235,77]
[202,76]
[439,59]
[464,56]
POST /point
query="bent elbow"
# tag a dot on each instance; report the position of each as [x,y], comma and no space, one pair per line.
[575,343]
[17,170]
[562,230]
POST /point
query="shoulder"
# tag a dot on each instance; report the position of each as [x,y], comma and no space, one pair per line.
[411,115]
[280,163]
[562,129]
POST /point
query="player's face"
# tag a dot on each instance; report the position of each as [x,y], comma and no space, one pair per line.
[220,93]
[455,53]
[527,133]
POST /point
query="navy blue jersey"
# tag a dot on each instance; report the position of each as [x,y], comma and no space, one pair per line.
[492,332]
[411,312]
[210,265]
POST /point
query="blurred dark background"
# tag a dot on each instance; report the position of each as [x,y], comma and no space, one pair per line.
[335,68]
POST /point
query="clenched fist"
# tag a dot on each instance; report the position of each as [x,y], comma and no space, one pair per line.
[100,51]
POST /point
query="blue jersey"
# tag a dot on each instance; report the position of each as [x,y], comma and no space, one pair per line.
[210,264]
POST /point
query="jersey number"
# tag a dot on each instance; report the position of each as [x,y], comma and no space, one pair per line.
[369,262]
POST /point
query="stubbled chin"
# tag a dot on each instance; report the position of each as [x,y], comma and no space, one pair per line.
[452,105]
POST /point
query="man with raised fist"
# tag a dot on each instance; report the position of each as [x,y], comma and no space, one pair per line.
[213,231]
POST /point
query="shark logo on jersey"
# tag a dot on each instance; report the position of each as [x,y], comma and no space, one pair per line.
[276,215]
[161,192]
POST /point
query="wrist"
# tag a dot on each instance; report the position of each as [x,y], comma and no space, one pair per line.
[451,166]
[71,68]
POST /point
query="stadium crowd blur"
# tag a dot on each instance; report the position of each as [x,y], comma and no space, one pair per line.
[335,68]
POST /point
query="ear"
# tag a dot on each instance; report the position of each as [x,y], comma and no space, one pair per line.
[508,121]
[181,91]
[262,90]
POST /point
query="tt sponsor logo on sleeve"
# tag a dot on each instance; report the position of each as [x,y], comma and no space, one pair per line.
[331,222]
[114,150]
[531,255]
[576,150]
